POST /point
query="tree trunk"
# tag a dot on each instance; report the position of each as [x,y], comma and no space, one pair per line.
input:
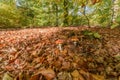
[65,21]
[56,13]
[84,13]
[115,10]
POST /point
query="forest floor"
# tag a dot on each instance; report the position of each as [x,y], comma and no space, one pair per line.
[72,53]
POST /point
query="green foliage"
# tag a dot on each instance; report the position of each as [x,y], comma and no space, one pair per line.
[9,16]
[96,35]
[56,13]
[118,19]
[91,34]
[114,25]
[102,13]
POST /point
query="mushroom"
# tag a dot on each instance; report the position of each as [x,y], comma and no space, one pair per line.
[59,43]
[75,40]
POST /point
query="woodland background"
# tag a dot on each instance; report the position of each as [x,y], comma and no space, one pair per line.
[39,13]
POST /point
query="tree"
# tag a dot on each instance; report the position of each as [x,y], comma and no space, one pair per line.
[60,12]
[65,9]
[115,9]
[84,13]
[10,16]
[115,21]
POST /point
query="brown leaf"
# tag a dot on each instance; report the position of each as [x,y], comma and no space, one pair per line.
[64,52]
[35,77]
[60,58]
[49,74]
[11,60]
[57,52]
[9,68]
[86,75]
[98,77]
[17,62]
[75,73]
[109,69]
[64,76]
[57,64]
[37,60]
[2,45]
[74,65]
[49,58]
[65,65]
[34,53]
[119,78]
[117,67]
[81,77]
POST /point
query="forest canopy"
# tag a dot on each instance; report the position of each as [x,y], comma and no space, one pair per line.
[38,13]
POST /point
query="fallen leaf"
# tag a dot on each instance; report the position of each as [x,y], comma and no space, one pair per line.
[57,64]
[98,77]
[65,65]
[108,70]
[75,73]
[86,75]
[64,52]
[75,65]
[34,53]
[64,76]
[81,77]
[7,77]
[17,62]
[35,77]
[117,67]
[9,68]
[49,74]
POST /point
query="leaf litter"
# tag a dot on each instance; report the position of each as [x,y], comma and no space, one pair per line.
[32,54]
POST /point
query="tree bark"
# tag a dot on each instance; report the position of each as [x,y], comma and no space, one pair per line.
[115,10]
[56,13]
[65,21]
[84,13]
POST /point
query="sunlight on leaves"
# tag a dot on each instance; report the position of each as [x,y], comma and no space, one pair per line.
[7,77]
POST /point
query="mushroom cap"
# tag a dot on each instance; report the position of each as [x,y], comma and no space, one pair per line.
[59,41]
[75,39]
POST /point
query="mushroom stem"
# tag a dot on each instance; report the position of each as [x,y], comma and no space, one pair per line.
[75,40]
[60,43]
[75,43]
[60,47]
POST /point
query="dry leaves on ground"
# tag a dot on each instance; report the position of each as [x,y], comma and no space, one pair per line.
[32,54]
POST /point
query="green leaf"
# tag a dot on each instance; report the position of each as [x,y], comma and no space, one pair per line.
[114,25]
[118,19]
[96,35]
[87,32]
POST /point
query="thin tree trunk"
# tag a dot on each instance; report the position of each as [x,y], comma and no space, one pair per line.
[56,13]
[112,17]
[115,9]
[49,18]
[84,13]
[65,21]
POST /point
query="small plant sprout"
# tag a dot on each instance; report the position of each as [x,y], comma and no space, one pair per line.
[60,44]
[75,41]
